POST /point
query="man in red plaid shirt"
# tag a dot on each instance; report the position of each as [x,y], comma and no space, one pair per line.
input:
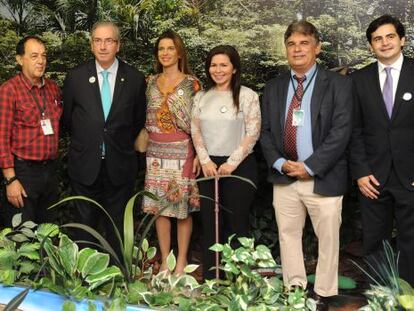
[30,108]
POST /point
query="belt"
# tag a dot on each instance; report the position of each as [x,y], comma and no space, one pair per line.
[35,162]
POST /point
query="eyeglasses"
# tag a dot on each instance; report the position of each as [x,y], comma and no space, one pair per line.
[107,41]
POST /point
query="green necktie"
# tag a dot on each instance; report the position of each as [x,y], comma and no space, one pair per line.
[106,94]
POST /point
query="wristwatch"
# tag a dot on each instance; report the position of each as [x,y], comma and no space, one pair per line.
[8,181]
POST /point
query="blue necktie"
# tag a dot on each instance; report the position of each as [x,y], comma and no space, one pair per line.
[106,94]
[387,93]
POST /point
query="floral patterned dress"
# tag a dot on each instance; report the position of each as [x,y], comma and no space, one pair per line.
[170,151]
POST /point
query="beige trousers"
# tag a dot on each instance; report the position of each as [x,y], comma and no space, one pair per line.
[291,203]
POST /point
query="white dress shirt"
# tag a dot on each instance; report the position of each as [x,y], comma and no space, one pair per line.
[111,76]
[395,73]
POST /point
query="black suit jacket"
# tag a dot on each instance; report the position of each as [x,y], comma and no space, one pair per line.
[331,112]
[379,142]
[83,116]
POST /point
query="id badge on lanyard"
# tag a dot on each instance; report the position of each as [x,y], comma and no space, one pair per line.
[298,117]
[45,123]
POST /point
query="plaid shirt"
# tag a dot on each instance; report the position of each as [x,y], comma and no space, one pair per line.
[20,132]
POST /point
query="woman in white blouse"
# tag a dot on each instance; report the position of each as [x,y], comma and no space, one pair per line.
[225,127]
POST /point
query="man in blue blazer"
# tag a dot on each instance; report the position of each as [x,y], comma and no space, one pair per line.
[104,110]
[306,125]
[382,146]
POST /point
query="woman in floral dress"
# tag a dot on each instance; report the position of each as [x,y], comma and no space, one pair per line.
[171,161]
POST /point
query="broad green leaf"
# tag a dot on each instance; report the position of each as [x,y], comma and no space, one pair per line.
[227,251]
[68,252]
[30,250]
[16,220]
[18,237]
[148,298]
[28,232]
[239,302]
[246,242]
[162,299]
[98,279]
[231,267]
[80,292]
[49,230]
[48,283]
[216,247]
[83,255]
[171,261]
[26,267]
[407,301]
[4,232]
[68,306]
[189,281]
[190,268]
[116,305]
[246,271]
[7,259]
[104,243]
[184,304]
[92,306]
[53,259]
[262,252]
[95,264]
[8,277]
[145,245]
[29,224]
[135,290]
[151,252]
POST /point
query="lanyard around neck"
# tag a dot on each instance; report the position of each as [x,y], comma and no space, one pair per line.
[306,88]
[42,108]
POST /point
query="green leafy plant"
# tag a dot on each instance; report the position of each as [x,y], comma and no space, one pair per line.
[20,246]
[388,292]
[75,273]
[243,287]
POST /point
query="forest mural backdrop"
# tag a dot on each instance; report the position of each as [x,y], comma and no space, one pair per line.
[255,27]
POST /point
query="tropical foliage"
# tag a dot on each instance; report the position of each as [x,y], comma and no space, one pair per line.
[85,274]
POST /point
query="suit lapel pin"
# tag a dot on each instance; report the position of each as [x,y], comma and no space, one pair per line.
[92,79]
[407,96]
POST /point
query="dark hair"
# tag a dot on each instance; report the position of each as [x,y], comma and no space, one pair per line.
[303,27]
[179,45]
[20,47]
[234,57]
[383,20]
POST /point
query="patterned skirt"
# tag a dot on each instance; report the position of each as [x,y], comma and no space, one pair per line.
[169,175]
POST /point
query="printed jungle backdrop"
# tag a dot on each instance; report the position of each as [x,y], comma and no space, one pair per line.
[255,27]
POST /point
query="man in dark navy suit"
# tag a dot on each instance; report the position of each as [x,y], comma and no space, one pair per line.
[382,146]
[104,110]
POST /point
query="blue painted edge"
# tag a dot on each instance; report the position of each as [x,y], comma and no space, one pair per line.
[41,300]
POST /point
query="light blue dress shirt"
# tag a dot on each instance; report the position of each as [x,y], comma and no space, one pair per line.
[304,145]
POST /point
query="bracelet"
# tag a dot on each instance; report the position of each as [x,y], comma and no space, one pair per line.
[7,182]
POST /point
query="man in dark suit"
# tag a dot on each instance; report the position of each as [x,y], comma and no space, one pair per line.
[104,109]
[382,146]
[306,125]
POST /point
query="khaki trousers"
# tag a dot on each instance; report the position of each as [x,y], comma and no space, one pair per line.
[291,203]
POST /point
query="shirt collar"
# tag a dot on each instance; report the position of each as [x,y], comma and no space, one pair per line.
[28,83]
[397,65]
[308,74]
[112,69]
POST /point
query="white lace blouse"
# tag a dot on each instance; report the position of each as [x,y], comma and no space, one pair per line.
[218,130]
